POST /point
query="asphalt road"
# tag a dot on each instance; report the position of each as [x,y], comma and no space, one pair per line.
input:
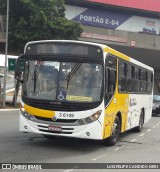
[17,147]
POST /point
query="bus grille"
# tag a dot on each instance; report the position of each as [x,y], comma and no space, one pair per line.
[58,120]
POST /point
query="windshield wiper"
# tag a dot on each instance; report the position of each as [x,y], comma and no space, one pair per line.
[72,73]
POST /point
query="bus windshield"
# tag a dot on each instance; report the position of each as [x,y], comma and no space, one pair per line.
[63,81]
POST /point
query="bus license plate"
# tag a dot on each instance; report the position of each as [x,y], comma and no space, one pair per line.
[54,128]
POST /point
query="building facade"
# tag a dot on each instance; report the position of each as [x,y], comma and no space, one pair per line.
[130,26]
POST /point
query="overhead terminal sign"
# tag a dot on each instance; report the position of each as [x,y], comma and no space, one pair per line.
[12,64]
[113,20]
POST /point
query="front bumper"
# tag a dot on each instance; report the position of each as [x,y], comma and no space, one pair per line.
[89,131]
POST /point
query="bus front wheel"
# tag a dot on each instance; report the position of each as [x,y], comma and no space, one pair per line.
[115,133]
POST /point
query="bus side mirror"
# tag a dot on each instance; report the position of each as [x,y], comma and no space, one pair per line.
[20,68]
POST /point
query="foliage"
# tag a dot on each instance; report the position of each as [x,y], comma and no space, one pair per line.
[39,20]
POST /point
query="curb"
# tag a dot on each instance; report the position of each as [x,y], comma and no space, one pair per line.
[5,110]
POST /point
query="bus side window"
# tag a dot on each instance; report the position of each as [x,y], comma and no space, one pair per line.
[143,81]
[122,74]
[137,80]
[129,78]
[149,82]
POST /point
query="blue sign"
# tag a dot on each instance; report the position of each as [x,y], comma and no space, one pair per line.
[101,18]
[61,95]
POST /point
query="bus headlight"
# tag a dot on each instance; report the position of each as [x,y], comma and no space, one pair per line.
[90,119]
[26,114]
[81,122]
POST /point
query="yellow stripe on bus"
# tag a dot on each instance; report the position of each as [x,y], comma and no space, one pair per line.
[116,53]
[39,112]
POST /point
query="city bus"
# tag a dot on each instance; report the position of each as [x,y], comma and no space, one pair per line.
[82,90]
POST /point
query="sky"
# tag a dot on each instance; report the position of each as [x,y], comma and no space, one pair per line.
[2,59]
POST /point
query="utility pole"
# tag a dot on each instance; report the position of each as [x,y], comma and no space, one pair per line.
[6,52]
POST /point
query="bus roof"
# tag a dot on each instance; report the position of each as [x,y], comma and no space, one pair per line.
[127,58]
[103,46]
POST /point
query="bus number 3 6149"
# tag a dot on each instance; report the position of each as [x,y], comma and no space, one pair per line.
[66,115]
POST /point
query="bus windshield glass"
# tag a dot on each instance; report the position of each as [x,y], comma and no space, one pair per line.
[63,81]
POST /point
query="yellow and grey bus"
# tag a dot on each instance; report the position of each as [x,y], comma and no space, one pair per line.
[83,90]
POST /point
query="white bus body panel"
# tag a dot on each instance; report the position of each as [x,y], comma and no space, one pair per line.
[136,104]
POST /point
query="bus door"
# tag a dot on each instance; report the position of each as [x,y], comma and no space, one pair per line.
[110,96]
[110,68]
[123,96]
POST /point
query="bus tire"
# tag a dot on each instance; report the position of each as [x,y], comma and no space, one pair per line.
[112,140]
[139,128]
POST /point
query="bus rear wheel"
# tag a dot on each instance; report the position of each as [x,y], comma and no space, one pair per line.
[115,133]
[141,122]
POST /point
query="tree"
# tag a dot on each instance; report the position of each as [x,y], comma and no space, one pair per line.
[32,20]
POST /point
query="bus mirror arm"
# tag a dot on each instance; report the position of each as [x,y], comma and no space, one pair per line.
[106,96]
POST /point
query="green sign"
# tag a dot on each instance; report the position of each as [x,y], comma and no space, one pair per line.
[11,64]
